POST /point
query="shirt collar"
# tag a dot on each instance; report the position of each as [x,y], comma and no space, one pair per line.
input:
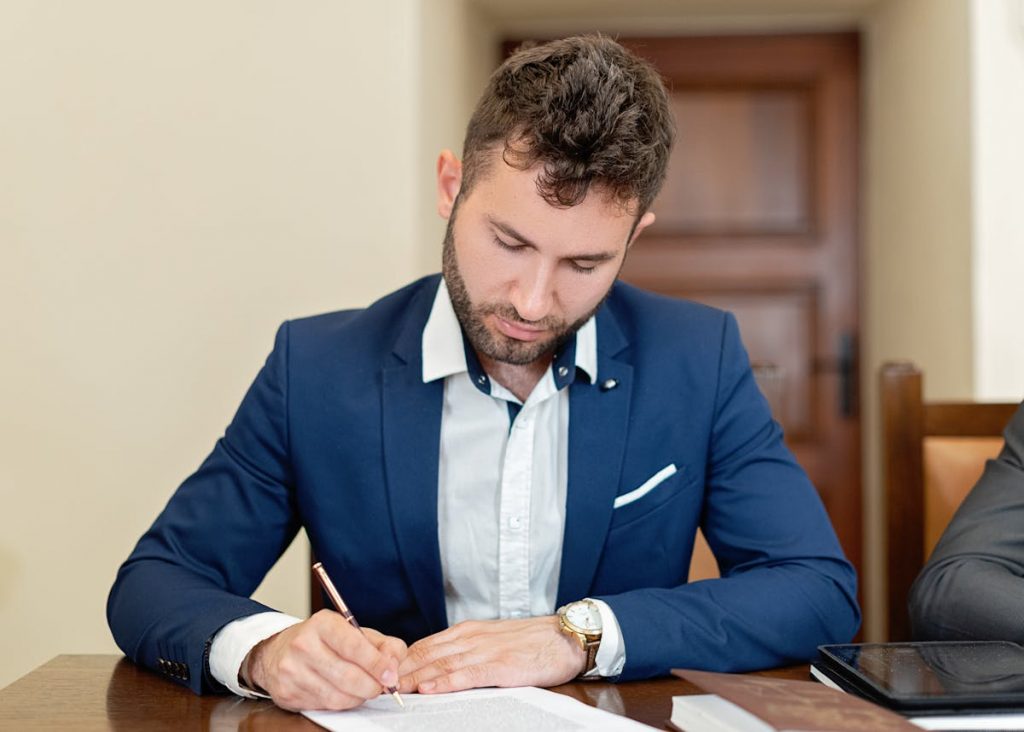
[445,350]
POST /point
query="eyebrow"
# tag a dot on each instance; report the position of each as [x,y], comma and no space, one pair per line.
[508,230]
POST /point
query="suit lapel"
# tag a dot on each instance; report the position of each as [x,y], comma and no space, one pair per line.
[598,425]
[412,428]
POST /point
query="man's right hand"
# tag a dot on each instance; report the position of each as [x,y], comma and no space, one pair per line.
[323,663]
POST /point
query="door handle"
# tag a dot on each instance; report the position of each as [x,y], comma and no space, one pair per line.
[844,365]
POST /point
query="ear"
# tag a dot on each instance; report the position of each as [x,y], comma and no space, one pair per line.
[646,220]
[449,181]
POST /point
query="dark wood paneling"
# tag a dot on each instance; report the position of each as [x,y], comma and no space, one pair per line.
[759,217]
[764,132]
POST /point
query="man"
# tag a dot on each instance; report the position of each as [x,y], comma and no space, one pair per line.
[504,467]
[972,587]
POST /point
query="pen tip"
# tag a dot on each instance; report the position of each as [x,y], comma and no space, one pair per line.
[398,699]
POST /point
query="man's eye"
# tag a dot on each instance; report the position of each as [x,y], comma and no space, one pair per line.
[583,267]
[506,245]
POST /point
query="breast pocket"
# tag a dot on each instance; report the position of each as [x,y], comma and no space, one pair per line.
[648,497]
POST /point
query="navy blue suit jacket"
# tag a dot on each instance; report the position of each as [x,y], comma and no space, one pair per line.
[340,435]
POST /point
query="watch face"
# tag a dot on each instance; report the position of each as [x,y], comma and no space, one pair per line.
[584,615]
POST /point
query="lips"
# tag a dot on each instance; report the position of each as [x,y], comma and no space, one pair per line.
[518,331]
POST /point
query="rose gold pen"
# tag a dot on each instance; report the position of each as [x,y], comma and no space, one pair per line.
[325,582]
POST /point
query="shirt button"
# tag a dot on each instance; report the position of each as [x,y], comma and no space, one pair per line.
[563,371]
[481,379]
[514,522]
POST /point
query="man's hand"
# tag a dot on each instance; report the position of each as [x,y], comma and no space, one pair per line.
[324,663]
[532,652]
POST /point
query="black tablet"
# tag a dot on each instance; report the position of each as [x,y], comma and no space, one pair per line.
[936,677]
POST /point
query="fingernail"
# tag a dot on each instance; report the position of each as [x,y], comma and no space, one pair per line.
[427,686]
[389,677]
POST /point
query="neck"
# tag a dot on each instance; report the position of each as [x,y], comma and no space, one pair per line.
[520,380]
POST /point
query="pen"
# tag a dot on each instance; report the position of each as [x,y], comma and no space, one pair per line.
[325,582]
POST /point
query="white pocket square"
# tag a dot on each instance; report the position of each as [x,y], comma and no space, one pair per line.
[649,485]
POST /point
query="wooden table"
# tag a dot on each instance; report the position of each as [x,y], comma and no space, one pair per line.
[110,693]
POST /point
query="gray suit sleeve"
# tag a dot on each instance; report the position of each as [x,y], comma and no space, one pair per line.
[973,585]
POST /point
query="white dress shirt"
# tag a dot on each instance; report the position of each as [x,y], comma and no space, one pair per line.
[502,478]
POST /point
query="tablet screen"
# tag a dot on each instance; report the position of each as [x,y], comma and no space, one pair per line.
[952,671]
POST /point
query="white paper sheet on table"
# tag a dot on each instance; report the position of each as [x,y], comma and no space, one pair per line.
[528,709]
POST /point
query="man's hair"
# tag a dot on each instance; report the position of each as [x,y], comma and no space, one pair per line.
[587,110]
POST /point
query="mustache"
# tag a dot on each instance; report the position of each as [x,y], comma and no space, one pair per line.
[509,313]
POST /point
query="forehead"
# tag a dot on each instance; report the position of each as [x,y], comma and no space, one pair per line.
[510,195]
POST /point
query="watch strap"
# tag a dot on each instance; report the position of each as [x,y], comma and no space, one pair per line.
[591,646]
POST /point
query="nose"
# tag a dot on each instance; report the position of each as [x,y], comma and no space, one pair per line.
[533,295]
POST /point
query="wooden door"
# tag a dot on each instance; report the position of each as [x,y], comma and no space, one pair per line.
[759,216]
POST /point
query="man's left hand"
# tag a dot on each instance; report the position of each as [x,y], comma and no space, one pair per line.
[530,652]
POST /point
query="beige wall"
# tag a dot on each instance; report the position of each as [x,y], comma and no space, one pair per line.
[459,50]
[175,180]
[916,223]
[997,55]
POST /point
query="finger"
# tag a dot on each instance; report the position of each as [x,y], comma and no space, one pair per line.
[467,677]
[320,692]
[461,630]
[415,666]
[312,654]
[299,686]
[348,678]
[386,643]
[349,644]
[395,648]
[423,654]
[444,666]
[311,664]
[406,684]
[393,651]
[411,682]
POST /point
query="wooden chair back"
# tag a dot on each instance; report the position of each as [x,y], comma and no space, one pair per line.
[932,455]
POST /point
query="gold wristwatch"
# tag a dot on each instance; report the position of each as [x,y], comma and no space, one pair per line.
[582,620]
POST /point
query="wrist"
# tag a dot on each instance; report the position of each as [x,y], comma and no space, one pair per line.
[250,673]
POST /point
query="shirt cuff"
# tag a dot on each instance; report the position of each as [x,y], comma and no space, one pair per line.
[232,643]
[611,654]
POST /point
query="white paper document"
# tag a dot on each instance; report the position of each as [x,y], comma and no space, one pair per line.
[528,709]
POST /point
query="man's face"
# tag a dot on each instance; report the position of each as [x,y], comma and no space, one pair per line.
[524,275]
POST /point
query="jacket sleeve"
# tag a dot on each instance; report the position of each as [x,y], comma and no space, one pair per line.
[973,585]
[785,586]
[192,572]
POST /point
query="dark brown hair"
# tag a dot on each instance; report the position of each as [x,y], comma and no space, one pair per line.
[586,109]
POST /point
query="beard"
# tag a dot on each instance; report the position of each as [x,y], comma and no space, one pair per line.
[498,346]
